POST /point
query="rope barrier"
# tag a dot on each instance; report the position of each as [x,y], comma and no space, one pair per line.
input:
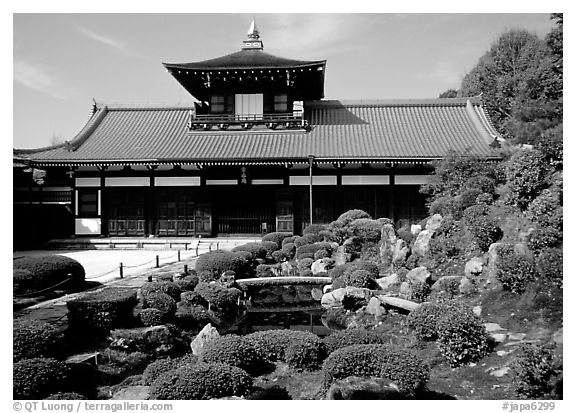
[44,290]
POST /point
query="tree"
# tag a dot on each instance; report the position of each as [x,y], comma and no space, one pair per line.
[450,93]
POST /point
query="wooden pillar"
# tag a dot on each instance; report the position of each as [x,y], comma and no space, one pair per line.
[150,205]
[391,197]
[311,204]
[101,200]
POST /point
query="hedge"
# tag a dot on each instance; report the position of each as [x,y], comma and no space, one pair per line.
[233,350]
[211,265]
[151,317]
[424,319]
[368,230]
[201,381]
[348,337]
[277,237]
[514,271]
[101,310]
[37,378]
[167,287]
[47,271]
[160,366]
[160,301]
[224,299]
[401,366]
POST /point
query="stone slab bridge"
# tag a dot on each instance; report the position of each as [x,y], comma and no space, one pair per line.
[284,281]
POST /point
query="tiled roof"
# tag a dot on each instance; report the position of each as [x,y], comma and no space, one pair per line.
[394,130]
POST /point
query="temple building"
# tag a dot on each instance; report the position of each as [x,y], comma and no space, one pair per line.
[259,151]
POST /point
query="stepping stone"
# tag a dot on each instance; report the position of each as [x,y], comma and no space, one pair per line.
[477,310]
[133,393]
[500,372]
[499,338]
[490,327]
[516,336]
[502,353]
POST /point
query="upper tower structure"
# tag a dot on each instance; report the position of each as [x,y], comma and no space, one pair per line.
[253,40]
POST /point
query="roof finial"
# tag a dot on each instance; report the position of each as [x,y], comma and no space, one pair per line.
[253,40]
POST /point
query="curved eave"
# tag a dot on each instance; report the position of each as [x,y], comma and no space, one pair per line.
[183,66]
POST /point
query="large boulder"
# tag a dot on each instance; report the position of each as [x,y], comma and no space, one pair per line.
[400,251]
[320,265]
[473,267]
[405,290]
[415,229]
[387,282]
[334,298]
[208,333]
[387,243]
[363,388]
[467,287]
[340,256]
[421,246]
[492,260]
[434,222]
[419,275]
[375,308]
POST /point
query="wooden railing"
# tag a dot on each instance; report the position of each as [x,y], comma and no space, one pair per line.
[270,120]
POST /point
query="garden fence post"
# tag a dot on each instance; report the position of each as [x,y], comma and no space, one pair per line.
[157,261]
[178,255]
[185,270]
[121,270]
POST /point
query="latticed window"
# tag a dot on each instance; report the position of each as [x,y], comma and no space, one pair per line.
[281,103]
[87,202]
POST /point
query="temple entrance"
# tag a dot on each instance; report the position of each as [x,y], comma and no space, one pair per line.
[125,211]
[246,211]
[181,213]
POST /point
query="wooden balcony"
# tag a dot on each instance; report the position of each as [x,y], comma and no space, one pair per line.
[272,121]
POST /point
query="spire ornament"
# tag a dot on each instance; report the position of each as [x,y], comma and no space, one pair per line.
[253,41]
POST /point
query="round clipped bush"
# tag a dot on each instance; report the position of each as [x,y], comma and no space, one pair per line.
[192,297]
[201,381]
[305,351]
[289,249]
[160,366]
[462,338]
[187,283]
[549,265]
[277,237]
[162,302]
[224,299]
[307,239]
[362,279]
[423,320]
[280,256]
[37,378]
[513,270]
[318,255]
[211,265]
[401,366]
[166,287]
[542,238]
[191,316]
[36,339]
[66,396]
[255,248]
[289,240]
[313,229]
[234,351]
[368,230]
[151,317]
[101,310]
[305,263]
[525,176]
[347,217]
[47,271]
[348,337]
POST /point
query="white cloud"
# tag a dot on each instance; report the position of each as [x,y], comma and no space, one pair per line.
[108,41]
[36,76]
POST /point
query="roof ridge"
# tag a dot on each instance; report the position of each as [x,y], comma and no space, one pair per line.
[146,106]
[461,101]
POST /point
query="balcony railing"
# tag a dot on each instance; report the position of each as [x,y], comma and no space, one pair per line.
[271,121]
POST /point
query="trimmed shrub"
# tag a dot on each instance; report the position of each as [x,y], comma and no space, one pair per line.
[101,310]
[47,271]
[224,299]
[277,237]
[368,230]
[405,233]
[211,265]
[526,174]
[514,271]
[66,396]
[420,291]
[401,273]
[201,381]
[305,263]
[289,240]
[533,371]
[192,297]
[232,350]
[151,317]
[187,283]
[305,351]
[307,239]
[280,256]
[447,287]
[308,250]
[166,287]
[468,197]
[549,265]
[289,249]
[462,338]
[482,183]
[36,339]
[342,275]
[162,302]
[424,319]
[401,366]
[542,238]
[362,279]
[543,209]
[485,199]
[160,366]
[37,378]
[352,215]
[191,316]
[314,229]
[271,344]
[348,337]
[318,255]
[484,229]
[255,248]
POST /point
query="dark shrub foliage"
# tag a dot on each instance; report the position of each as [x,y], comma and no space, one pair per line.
[280,256]
[362,279]
[406,234]
[423,320]
[401,366]
[348,337]
[289,240]
[201,381]
[289,249]
[446,287]
[542,238]
[66,396]
[305,351]
[192,297]
[462,338]
[101,310]
[513,270]
[187,283]
[151,317]
[546,210]
[167,287]
[214,263]
[525,177]
[224,299]
[308,250]
[162,302]
[307,239]
[468,197]
[255,248]
[318,255]
[36,339]
[313,229]
[305,263]
[232,350]
[533,370]
[420,291]
[347,217]
[47,271]
[160,366]
[191,316]
[484,228]
[368,230]
[37,378]
[549,265]
[277,237]
[343,275]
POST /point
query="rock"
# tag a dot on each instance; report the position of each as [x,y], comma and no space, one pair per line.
[363,388]
[502,353]
[340,256]
[320,265]
[491,327]
[467,287]
[446,283]
[132,393]
[498,337]
[387,242]
[434,222]
[421,246]
[334,298]
[375,308]
[155,339]
[419,274]
[415,229]
[400,251]
[558,337]
[316,294]
[492,260]
[500,372]
[208,333]
[398,302]
[405,290]
[327,288]
[477,310]
[516,336]
[287,269]
[387,282]
[473,267]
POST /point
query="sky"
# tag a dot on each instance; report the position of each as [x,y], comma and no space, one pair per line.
[63,61]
